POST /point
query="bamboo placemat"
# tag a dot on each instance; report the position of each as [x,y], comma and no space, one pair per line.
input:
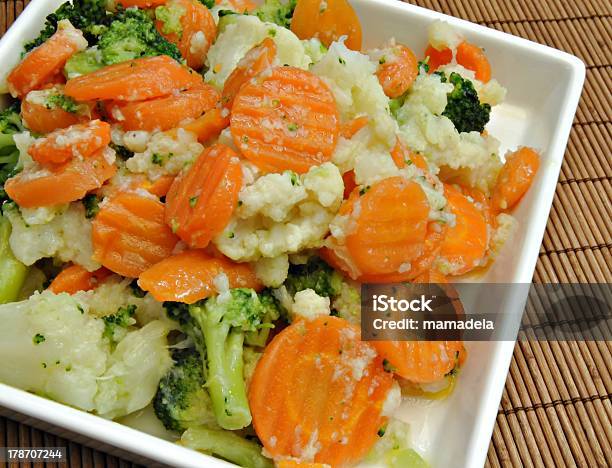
[556,408]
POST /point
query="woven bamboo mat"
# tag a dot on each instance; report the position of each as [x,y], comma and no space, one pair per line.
[556,409]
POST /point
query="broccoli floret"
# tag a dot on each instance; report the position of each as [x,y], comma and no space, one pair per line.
[316,275]
[116,325]
[63,102]
[121,151]
[181,400]
[276,11]
[84,62]
[90,16]
[131,35]
[224,320]
[171,16]
[90,202]
[463,107]
[10,123]
[180,313]
[226,445]
[271,312]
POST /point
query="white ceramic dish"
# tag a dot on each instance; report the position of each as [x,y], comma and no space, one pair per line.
[544,86]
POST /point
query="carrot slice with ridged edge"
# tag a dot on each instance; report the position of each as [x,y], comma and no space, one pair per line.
[75,278]
[201,200]
[515,178]
[66,183]
[209,125]
[397,70]
[190,276]
[468,55]
[307,392]
[166,112]
[348,129]
[80,140]
[129,234]
[255,61]
[390,226]
[198,31]
[327,21]
[133,80]
[421,361]
[287,120]
[466,242]
[43,63]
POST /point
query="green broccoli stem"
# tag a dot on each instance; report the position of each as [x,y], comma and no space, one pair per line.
[226,445]
[225,381]
[6,140]
[12,271]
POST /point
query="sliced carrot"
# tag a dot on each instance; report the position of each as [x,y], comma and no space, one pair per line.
[166,112]
[307,392]
[255,61]
[80,140]
[468,55]
[348,129]
[66,183]
[390,226]
[397,70]
[190,276]
[75,278]
[44,62]
[159,187]
[40,119]
[209,125]
[140,3]
[201,200]
[286,120]
[466,242]
[349,183]
[198,31]
[403,156]
[129,234]
[241,6]
[134,80]
[328,21]
[420,361]
[515,178]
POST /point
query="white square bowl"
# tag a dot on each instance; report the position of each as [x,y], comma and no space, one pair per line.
[544,86]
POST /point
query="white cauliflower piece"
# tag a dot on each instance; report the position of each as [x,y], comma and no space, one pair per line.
[66,237]
[507,225]
[265,226]
[241,34]
[442,35]
[23,141]
[166,154]
[309,304]
[272,272]
[314,49]
[133,371]
[42,214]
[352,79]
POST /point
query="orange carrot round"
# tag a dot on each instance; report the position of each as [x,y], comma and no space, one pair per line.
[66,183]
[164,113]
[75,278]
[468,55]
[241,6]
[327,21]
[420,361]
[198,31]
[466,242]
[403,156]
[134,80]
[390,226]
[190,276]
[209,125]
[306,388]
[348,129]
[129,234]
[80,140]
[515,178]
[397,70]
[40,119]
[43,63]
[201,200]
[255,61]
[285,120]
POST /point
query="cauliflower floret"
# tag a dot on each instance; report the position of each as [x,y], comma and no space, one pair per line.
[66,237]
[442,35]
[166,154]
[314,49]
[51,345]
[42,214]
[272,272]
[138,363]
[352,79]
[241,34]
[506,227]
[23,141]
[265,226]
[309,304]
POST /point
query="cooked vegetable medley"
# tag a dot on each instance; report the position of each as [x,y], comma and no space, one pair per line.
[192,192]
